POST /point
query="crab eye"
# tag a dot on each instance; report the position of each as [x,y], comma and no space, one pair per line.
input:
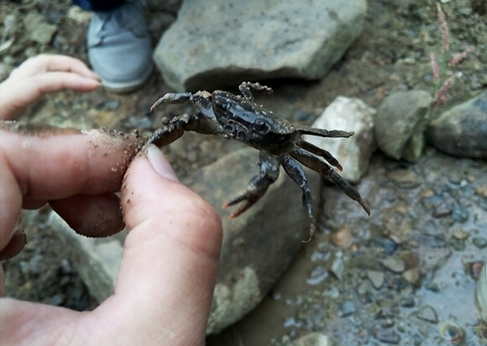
[261,126]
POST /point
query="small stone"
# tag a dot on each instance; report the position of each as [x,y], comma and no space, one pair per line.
[337,268]
[312,339]
[476,269]
[404,178]
[459,214]
[387,323]
[79,16]
[387,244]
[442,210]
[413,276]
[342,237]
[428,314]
[32,20]
[347,309]
[407,302]
[363,288]
[388,335]
[458,245]
[395,265]
[318,275]
[432,286]
[460,234]
[479,242]
[373,310]
[43,33]
[481,191]
[376,278]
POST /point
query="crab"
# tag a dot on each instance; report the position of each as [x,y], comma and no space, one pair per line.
[279,142]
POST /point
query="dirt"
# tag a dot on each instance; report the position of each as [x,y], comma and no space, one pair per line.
[392,54]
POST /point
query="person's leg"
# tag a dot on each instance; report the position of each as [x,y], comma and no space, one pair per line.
[119,45]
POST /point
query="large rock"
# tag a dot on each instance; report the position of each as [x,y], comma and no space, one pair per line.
[222,42]
[353,153]
[257,246]
[400,124]
[462,130]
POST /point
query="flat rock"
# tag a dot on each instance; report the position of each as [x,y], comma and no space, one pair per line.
[257,246]
[353,153]
[219,43]
[462,130]
[400,124]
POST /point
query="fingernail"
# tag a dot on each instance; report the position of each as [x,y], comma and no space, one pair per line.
[160,164]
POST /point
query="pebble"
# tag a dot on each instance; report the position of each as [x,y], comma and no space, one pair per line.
[347,309]
[373,310]
[479,242]
[337,268]
[442,210]
[312,339]
[342,237]
[376,278]
[44,33]
[481,191]
[476,269]
[432,286]
[460,234]
[395,265]
[407,302]
[413,276]
[387,244]
[387,323]
[404,178]
[459,214]
[387,335]
[363,288]
[318,275]
[428,314]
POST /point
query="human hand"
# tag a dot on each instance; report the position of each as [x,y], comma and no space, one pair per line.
[40,75]
[164,288]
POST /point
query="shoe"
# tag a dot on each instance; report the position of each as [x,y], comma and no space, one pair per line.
[119,47]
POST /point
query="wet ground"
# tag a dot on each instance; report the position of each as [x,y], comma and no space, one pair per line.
[393,278]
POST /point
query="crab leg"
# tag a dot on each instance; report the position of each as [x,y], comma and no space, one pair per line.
[245,87]
[320,152]
[311,161]
[325,133]
[296,172]
[172,98]
[258,185]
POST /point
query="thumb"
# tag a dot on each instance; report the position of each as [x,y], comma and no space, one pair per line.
[171,253]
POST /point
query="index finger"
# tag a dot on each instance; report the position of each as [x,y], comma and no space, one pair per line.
[51,163]
[52,62]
